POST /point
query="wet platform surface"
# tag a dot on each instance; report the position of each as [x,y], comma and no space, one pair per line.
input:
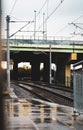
[35,114]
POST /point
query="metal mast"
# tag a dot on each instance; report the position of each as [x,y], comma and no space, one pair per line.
[50,59]
[34,24]
[8,53]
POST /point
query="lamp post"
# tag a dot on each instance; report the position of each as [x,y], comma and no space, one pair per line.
[8,53]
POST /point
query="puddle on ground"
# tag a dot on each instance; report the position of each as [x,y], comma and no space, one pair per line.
[37,115]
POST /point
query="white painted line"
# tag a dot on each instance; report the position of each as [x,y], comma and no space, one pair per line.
[12,94]
[34,125]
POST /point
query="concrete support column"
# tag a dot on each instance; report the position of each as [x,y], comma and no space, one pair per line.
[60,73]
[15,70]
[46,71]
[68,76]
[35,70]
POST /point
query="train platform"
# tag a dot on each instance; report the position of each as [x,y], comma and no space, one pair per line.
[36,114]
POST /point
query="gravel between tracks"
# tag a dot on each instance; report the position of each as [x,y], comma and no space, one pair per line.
[21,93]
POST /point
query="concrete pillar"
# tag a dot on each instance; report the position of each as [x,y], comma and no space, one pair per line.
[35,70]
[60,73]
[67,75]
[15,70]
[46,71]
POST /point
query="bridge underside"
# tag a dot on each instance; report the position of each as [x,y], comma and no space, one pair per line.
[37,51]
[35,58]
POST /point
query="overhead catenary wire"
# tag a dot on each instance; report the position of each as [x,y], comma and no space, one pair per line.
[23,21]
[42,7]
[74,33]
[48,17]
[20,29]
[80,33]
[74,23]
[13,7]
[38,11]
[60,30]
[65,25]
[68,25]
[37,14]
[54,10]
[78,18]
[76,26]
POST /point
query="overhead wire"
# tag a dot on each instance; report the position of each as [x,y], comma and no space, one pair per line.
[26,24]
[76,26]
[65,25]
[38,11]
[41,10]
[78,18]
[54,10]
[80,33]
[19,29]
[60,30]
[48,17]
[13,6]
[42,7]
[68,25]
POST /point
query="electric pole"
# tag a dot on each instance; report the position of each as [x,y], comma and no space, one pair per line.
[34,24]
[50,59]
[8,53]
[43,25]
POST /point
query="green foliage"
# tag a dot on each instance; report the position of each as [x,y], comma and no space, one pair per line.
[24,72]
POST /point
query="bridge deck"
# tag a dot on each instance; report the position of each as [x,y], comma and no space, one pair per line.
[43,45]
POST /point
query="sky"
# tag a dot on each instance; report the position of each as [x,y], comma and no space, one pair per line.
[56,18]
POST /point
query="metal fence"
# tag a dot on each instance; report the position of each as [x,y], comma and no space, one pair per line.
[78,86]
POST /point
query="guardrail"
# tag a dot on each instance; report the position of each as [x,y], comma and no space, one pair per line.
[53,38]
[43,45]
[40,41]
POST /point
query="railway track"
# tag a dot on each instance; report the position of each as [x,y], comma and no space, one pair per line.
[58,87]
[47,93]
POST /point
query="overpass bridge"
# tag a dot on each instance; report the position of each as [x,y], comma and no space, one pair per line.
[63,53]
[43,45]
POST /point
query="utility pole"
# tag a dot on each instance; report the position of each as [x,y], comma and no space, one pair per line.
[8,53]
[50,59]
[47,17]
[1,77]
[43,24]
[34,24]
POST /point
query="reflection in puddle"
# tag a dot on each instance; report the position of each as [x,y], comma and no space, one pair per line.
[26,114]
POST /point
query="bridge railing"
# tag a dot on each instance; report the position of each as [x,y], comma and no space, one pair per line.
[39,40]
[69,38]
[41,37]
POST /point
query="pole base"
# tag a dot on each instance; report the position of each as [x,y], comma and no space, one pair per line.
[5,92]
